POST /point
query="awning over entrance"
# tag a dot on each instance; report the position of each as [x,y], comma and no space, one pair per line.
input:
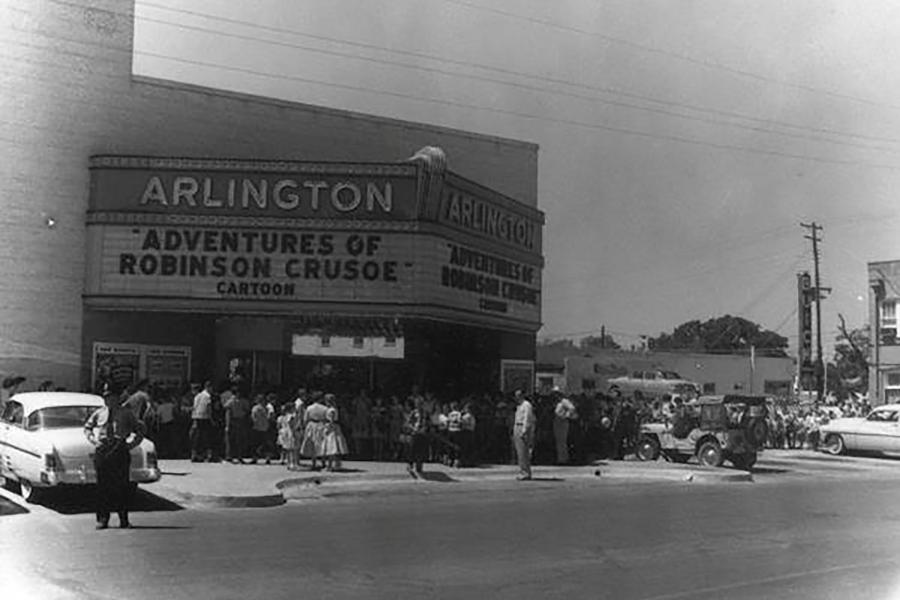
[347,326]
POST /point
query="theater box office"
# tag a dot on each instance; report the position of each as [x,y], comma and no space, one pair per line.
[284,273]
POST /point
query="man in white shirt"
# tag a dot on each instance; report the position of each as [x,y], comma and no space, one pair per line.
[563,413]
[201,427]
[523,434]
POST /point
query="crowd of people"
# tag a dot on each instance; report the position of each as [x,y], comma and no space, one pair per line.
[229,422]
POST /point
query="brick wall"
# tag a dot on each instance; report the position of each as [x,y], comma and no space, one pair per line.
[68,93]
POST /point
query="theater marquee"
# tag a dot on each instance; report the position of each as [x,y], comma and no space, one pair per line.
[282,233]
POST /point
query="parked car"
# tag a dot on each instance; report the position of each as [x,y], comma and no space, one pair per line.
[42,443]
[879,431]
[654,383]
[714,429]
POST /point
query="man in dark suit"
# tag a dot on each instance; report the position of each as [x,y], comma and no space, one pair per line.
[113,430]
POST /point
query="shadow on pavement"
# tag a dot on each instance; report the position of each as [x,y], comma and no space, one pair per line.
[73,502]
[546,479]
[437,476]
[770,470]
[8,507]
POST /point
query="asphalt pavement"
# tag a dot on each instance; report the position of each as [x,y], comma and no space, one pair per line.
[808,527]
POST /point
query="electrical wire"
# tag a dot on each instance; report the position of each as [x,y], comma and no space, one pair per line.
[683,57]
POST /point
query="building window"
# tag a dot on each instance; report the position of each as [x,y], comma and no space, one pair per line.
[892,386]
[888,324]
[709,388]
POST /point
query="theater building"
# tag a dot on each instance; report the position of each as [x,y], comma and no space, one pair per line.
[162,230]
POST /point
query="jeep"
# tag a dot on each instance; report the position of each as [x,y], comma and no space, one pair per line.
[714,429]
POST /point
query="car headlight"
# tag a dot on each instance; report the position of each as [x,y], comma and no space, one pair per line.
[52,462]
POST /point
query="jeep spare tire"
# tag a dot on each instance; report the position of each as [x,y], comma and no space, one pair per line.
[647,449]
[757,432]
[710,454]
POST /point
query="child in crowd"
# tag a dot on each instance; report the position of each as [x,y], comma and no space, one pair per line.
[286,435]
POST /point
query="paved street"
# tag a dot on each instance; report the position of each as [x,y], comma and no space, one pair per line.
[809,526]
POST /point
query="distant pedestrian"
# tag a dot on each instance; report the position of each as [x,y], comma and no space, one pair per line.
[286,435]
[467,443]
[415,437]
[259,432]
[114,431]
[563,414]
[523,434]
[201,424]
[237,425]
[455,434]
[334,444]
[313,445]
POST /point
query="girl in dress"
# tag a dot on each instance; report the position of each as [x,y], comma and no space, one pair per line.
[286,435]
[335,445]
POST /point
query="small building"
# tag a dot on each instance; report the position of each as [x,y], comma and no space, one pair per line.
[884,360]
[714,373]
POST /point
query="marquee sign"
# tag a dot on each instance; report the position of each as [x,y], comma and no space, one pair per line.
[291,265]
[247,188]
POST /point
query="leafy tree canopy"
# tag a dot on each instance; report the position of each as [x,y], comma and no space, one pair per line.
[726,334]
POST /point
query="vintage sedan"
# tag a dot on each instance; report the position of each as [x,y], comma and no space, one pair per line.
[42,443]
[879,431]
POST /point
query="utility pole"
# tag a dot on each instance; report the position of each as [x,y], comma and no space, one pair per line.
[817,289]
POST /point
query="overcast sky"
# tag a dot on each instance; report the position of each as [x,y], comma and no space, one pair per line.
[682,142]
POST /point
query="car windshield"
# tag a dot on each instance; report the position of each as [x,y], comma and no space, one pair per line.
[58,417]
[670,375]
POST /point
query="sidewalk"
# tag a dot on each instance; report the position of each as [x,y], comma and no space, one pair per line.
[226,485]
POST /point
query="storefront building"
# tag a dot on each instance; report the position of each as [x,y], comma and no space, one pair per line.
[884,358]
[162,230]
[345,276]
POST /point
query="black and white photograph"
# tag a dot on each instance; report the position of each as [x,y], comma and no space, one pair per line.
[507,299]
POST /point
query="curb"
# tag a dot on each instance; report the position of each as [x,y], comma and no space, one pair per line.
[318,486]
[215,501]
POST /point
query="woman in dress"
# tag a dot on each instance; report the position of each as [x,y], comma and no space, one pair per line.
[335,445]
[415,429]
[313,445]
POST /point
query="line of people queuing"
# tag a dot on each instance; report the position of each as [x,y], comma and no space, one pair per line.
[206,423]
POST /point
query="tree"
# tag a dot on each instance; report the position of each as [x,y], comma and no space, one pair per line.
[849,370]
[727,334]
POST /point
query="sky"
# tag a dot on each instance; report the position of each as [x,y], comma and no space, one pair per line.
[682,143]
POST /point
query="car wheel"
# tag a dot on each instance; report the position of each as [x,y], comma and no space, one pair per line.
[28,491]
[834,444]
[647,449]
[710,454]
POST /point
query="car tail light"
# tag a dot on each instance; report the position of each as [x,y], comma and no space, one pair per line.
[151,460]
[52,462]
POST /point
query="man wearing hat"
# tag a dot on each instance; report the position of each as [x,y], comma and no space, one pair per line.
[114,431]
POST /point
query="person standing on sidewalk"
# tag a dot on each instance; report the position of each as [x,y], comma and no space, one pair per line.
[259,434]
[313,445]
[201,426]
[563,413]
[523,434]
[113,430]
[415,430]
[237,415]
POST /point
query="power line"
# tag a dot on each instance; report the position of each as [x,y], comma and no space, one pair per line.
[683,57]
[815,136]
[561,121]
